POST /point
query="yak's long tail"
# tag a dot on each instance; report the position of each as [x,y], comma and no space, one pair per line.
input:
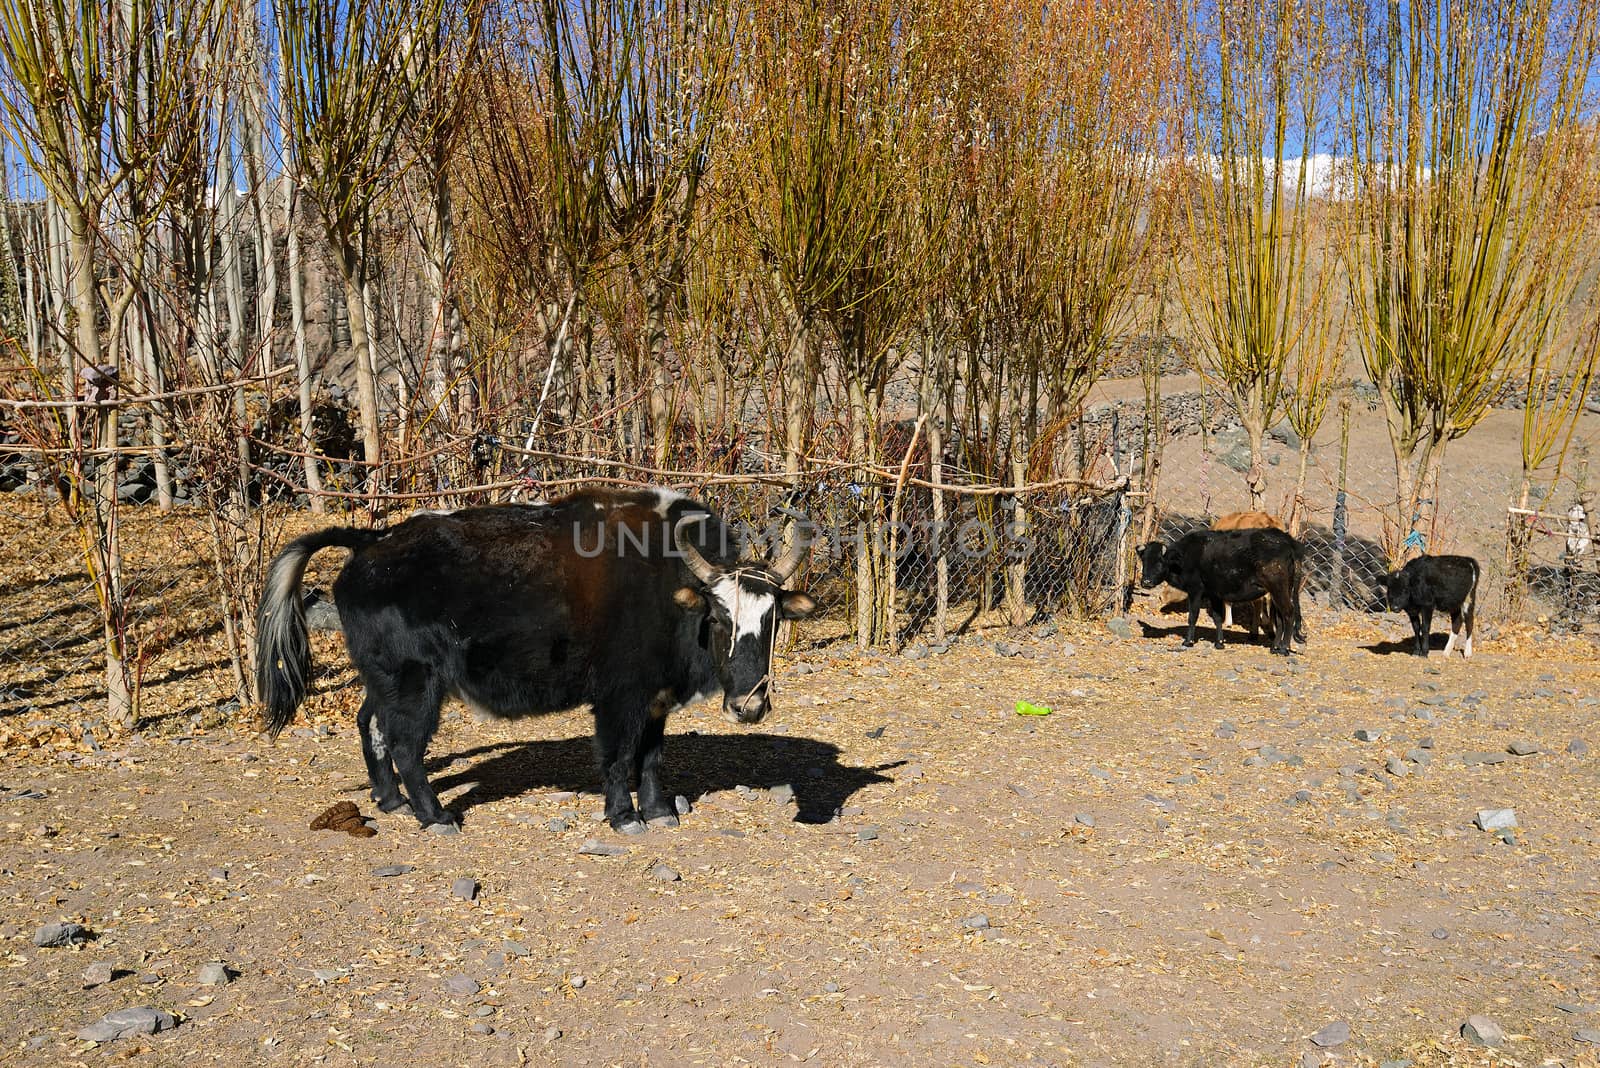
[283,656]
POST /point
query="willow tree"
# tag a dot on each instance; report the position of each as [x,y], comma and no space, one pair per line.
[1458,254]
[94,97]
[354,78]
[1254,81]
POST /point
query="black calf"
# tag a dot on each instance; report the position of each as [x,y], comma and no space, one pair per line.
[1443,583]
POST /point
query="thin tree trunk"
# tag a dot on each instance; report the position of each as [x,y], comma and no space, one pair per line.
[366,376]
[302,357]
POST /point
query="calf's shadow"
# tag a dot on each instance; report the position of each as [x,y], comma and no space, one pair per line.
[694,765]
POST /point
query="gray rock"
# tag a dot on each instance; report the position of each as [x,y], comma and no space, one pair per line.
[389,871]
[214,974]
[444,828]
[1520,748]
[329,975]
[462,986]
[830,987]
[1120,627]
[483,1010]
[1366,735]
[1471,759]
[916,652]
[577,982]
[1300,797]
[1578,747]
[976,922]
[593,847]
[877,671]
[323,615]
[1496,819]
[1397,767]
[125,1023]
[1590,1035]
[1335,1034]
[515,949]
[867,834]
[1440,934]
[664,874]
[1482,1031]
[552,1033]
[1020,790]
[782,793]
[557,824]
[61,934]
[464,888]
[1084,819]
[481,1028]
[99,973]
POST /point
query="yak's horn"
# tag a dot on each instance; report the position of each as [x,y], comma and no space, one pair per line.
[691,555]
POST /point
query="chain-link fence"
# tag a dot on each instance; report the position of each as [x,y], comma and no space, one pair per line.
[907,552]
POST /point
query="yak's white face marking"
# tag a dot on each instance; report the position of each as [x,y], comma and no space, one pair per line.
[747,610]
[666,498]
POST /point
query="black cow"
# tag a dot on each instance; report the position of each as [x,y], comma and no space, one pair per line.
[1221,567]
[1446,583]
[631,601]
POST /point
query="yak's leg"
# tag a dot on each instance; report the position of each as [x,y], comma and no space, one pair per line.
[1421,625]
[1219,611]
[408,724]
[1227,617]
[619,728]
[1194,619]
[1455,626]
[654,805]
[375,751]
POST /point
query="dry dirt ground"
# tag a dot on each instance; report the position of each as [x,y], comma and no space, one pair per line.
[1193,860]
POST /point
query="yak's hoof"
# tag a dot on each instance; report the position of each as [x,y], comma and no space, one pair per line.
[1217,644]
[1187,644]
[628,825]
[668,820]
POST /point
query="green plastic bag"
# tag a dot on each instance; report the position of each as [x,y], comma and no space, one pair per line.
[1025,708]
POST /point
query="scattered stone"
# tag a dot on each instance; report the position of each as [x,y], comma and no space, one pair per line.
[462,986]
[1572,1008]
[444,828]
[1482,1031]
[552,1033]
[1578,747]
[830,987]
[61,934]
[867,834]
[1084,819]
[782,793]
[1441,934]
[125,1023]
[1471,759]
[1397,767]
[1300,797]
[577,982]
[389,871]
[514,949]
[1335,1034]
[481,1028]
[557,824]
[214,974]
[916,652]
[464,888]
[1496,819]
[877,671]
[1120,627]
[1020,790]
[1522,749]
[1226,731]
[593,847]
[1182,780]
[1365,735]
[99,973]
[664,874]
[976,922]
[1590,1035]
[329,975]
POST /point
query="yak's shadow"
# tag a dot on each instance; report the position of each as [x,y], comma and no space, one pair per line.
[1204,633]
[694,765]
[1405,646]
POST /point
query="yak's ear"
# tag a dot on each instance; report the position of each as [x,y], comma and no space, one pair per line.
[796,605]
[689,599]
